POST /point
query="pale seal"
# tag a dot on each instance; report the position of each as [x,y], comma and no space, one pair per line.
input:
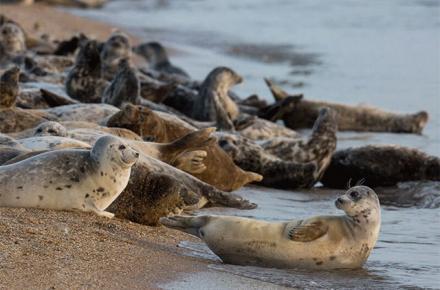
[321,242]
[87,180]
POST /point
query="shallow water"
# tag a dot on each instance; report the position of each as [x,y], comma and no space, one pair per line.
[381,53]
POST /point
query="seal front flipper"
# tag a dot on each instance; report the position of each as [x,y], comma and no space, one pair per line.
[228,199]
[307,231]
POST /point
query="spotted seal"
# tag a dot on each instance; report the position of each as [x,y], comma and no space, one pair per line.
[87,180]
[320,242]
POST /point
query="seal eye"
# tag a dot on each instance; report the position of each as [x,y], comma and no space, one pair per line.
[354,194]
[122,147]
[39,130]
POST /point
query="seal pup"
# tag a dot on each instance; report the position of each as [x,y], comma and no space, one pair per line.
[86,180]
[116,47]
[125,86]
[220,172]
[352,118]
[380,165]
[84,82]
[157,59]
[9,88]
[320,242]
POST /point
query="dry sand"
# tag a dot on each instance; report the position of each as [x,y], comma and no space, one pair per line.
[45,249]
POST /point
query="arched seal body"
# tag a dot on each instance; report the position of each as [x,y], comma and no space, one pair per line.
[321,242]
[69,179]
[380,165]
[220,172]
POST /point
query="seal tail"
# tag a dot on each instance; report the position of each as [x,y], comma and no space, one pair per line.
[187,224]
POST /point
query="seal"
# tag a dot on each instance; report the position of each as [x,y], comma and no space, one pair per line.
[220,172]
[185,153]
[13,119]
[86,180]
[157,59]
[40,143]
[125,86]
[318,147]
[157,189]
[84,82]
[116,48]
[201,106]
[94,113]
[12,39]
[320,242]
[352,118]
[380,165]
[286,162]
[9,87]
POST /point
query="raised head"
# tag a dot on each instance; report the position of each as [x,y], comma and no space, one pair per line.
[221,78]
[12,38]
[361,204]
[112,151]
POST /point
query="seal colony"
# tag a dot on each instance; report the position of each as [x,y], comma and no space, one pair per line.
[84,125]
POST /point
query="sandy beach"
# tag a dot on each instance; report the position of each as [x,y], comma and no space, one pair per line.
[71,250]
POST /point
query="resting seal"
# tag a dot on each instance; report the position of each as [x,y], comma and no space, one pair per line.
[220,169]
[321,242]
[380,165]
[87,180]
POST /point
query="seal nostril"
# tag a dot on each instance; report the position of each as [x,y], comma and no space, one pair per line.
[340,200]
[136,154]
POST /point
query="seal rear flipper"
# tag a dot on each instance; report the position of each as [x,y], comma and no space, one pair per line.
[54,100]
[196,140]
[221,198]
[187,224]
